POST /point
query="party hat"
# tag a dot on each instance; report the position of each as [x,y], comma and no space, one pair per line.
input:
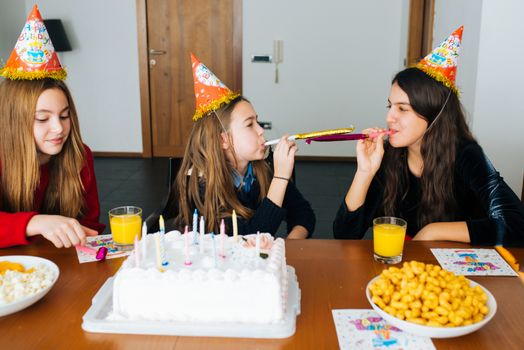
[441,63]
[210,92]
[34,56]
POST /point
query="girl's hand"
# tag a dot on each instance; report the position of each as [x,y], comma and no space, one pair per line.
[284,157]
[60,230]
[370,152]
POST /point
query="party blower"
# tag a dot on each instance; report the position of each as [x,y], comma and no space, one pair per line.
[348,137]
[314,134]
[343,134]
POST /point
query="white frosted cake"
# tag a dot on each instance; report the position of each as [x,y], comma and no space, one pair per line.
[225,281]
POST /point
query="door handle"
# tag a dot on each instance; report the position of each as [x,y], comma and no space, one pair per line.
[157,52]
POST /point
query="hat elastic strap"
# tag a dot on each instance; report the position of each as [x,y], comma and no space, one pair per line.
[439,113]
[220,121]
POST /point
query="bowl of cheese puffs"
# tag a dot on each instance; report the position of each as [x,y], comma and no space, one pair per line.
[426,300]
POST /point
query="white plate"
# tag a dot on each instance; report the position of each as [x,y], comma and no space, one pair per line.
[28,262]
[435,332]
[97,319]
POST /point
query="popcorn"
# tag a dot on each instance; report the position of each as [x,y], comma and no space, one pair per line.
[16,285]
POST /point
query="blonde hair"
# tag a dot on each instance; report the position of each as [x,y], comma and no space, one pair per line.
[205,163]
[20,168]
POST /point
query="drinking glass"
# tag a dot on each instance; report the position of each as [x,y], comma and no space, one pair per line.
[126,223]
[388,239]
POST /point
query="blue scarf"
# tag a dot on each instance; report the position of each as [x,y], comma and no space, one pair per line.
[247,181]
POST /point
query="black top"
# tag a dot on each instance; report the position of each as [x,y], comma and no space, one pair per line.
[491,210]
[295,209]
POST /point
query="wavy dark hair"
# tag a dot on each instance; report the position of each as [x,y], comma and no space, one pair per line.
[438,149]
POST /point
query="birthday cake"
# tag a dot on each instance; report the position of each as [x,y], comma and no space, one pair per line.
[203,279]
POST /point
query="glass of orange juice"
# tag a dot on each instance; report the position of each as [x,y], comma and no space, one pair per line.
[126,223]
[388,239]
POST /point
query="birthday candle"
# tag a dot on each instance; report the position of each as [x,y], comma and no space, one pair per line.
[202,231]
[257,244]
[195,226]
[186,248]
[162,242]
[214,248]
[143,241]
[158,253]
[222,238]
[235,226]
[137,252]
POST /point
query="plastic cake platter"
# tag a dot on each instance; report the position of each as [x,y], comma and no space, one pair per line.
[96,319]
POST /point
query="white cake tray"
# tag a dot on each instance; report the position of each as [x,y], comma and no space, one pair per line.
[95,319]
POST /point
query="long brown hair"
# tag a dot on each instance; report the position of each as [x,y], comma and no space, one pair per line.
[205,164]
[438,149]
[20,168]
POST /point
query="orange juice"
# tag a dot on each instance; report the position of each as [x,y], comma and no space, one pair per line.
[388,239]
[125,227]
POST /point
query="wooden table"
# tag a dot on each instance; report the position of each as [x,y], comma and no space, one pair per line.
[332,274]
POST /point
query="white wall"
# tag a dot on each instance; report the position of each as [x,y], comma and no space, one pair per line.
[339,58]
[102,69]
[12,19]
[449,15]
[499,102]
[489,76]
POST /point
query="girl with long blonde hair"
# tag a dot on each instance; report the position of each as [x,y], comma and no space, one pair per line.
[47,178]
[224,170]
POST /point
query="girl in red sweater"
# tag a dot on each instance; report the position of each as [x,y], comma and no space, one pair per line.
[47,179]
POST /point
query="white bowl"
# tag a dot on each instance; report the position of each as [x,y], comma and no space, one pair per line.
[435,332]
[28,262]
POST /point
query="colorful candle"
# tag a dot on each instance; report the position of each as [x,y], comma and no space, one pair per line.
[186,248]
[195,226]
[235,226]
[214,248]
[202,231]
[162,243]
[137,252]
[143,241]
[158,252]
[257,244]
[222,238]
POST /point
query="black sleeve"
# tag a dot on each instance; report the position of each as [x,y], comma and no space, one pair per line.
[354,224]
[298,210]
[268,216]
[266,219]
[504,221]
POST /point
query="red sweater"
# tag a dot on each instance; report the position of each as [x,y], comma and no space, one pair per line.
[13,225]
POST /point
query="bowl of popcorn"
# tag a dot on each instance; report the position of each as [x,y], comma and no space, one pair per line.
[423,299]
[24,280]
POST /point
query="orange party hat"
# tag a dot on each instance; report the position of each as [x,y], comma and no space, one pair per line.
[210,92]
[34,56]
[441,63]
